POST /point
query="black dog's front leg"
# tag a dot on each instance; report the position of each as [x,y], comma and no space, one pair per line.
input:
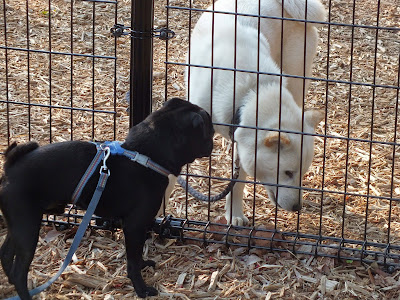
[147,263]
[134,241]
[7,253]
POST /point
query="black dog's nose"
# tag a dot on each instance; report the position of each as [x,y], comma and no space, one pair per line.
[296,207]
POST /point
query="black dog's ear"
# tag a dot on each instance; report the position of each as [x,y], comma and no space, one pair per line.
[197,120]
[174,102]
[199,124]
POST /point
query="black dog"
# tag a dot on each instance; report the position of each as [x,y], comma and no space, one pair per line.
[41,180]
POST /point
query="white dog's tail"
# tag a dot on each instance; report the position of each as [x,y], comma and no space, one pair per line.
[297,9]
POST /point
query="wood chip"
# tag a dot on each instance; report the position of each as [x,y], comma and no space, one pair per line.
[355,289]
[181,280]
[201,280]
[213,281]
[89,281]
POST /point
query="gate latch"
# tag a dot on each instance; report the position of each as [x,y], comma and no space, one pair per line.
[119,29]
[164,33]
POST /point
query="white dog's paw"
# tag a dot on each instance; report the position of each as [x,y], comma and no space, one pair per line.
[240,220]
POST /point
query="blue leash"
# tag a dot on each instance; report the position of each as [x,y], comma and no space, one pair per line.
[104,150]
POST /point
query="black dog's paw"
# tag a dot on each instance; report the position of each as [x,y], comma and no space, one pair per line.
[147,263]
[147,291]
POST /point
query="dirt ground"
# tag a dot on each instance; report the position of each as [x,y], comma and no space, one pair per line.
[345,178]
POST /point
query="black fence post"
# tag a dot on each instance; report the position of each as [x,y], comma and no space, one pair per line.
[141,60]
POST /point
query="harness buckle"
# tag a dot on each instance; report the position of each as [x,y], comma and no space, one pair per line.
[141,159]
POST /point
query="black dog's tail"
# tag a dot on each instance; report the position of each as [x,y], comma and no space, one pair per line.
[15,152]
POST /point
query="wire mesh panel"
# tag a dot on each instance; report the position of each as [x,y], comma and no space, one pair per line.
[59,72]
[350,191]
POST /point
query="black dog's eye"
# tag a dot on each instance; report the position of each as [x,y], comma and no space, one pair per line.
[289,174]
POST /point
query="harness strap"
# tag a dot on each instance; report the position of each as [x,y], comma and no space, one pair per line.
[146,162]
[89,172]
[115,149]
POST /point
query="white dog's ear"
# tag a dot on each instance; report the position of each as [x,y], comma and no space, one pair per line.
[314,117]
[273,137]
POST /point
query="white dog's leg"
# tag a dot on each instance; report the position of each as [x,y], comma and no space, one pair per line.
[234,203]
[171,184]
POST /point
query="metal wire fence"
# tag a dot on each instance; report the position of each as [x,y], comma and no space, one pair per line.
[351,210]
[62,74]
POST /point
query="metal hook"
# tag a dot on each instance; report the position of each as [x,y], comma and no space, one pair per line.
[106,156]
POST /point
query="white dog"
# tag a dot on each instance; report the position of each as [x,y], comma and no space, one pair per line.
[250,100]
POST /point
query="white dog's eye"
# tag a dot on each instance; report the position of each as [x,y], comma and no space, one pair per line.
[289,174]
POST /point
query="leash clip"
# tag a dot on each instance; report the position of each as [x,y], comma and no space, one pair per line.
[104,168]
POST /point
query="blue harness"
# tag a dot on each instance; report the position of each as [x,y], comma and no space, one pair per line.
[104,150]
[114,148]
